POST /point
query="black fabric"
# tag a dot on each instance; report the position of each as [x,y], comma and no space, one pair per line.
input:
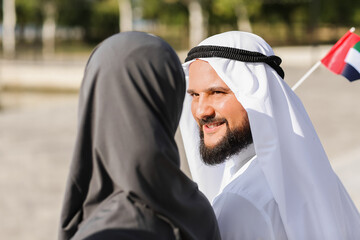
[123,234]
[125,171]
[242,55]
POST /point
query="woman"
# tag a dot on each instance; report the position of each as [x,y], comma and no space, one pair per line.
[125,181]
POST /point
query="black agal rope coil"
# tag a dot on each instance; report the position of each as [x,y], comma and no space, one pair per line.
[235,54]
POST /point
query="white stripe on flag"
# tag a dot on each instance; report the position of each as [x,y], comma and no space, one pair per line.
[353,58]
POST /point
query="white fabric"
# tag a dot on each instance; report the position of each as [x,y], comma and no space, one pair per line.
[246,208]
[237,165]
[312,201]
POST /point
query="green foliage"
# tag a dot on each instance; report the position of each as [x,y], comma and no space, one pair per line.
[100,18]
[32,11]
[225,11]
[151,8]
[227,7]
[28,11]
[166,12]
[339,12]
[74,13]
[104,19]
[356,16]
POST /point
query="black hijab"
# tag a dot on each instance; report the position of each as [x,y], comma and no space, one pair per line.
[125,174]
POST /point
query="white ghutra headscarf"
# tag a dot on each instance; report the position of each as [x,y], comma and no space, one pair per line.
[311,199]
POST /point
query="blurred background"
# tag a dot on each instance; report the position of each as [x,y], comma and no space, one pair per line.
[45,46]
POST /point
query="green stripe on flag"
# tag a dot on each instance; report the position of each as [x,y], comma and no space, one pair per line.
[357,46]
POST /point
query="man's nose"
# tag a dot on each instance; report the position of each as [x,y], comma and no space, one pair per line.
[204,109]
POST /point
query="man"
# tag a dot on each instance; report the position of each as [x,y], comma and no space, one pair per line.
[258,157]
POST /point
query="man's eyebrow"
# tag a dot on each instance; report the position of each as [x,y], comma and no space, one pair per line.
[211,89]
[215,89]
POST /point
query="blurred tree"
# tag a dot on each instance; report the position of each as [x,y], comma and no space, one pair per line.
[103,20]
[28,12]
[171,12]
[126,19]
[292,14]
[48,32]
[167,19]
[242,9]
[290,21]
[197,18]
[340,13]
[76,14]
[9,22]
[197,22]
[41,14]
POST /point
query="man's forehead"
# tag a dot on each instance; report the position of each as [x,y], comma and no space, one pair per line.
[202,75]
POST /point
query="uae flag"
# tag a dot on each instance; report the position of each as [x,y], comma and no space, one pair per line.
[344,57]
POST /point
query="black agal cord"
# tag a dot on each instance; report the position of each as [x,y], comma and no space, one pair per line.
[235,54]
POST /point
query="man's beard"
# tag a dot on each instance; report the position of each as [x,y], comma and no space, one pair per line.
[232,143]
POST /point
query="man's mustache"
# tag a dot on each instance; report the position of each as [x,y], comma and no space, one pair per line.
[209,120]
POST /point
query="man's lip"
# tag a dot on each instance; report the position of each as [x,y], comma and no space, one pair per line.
[212,127]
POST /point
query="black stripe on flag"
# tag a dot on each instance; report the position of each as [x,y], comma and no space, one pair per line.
[350,73]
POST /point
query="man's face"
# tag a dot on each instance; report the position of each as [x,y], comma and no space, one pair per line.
[222,120]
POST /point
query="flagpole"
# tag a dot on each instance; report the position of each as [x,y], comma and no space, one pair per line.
[306,75]
[316,65]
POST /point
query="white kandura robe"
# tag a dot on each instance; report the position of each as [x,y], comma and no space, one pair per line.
[246,208]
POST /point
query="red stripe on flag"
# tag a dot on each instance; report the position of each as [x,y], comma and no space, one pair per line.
[335,58]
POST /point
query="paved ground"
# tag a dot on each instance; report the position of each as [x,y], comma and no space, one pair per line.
[37,133]
[36,140]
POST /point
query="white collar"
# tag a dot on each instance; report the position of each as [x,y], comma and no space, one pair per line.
[241,159]
[237,165]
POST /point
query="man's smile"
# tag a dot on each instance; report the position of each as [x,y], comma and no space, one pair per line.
[212,127]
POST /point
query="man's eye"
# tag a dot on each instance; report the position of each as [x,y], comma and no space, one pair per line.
[194,94]
[219,92]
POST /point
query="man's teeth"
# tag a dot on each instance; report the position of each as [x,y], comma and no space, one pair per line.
[213,125]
